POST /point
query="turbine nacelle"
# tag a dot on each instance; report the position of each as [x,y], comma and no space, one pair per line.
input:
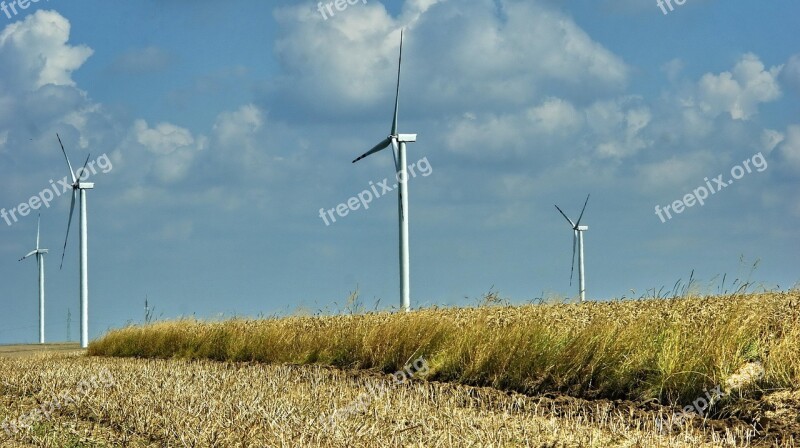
[582,228]
[84,185]
[407,138]
[35,252]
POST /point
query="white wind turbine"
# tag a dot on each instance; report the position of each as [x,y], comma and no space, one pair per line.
[577,238]
[398,144]
[79,186]
[39,253]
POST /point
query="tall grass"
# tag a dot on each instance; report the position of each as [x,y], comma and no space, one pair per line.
[667,349]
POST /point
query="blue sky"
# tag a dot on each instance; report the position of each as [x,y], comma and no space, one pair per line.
[229,125]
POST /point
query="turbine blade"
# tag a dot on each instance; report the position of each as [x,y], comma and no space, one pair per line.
[31,253]
[572,268]
[395,152]
[71,172]
[380,146]
[83,170]
[69,223]
[583,210]
[38,226]
[565,217]
[397,93]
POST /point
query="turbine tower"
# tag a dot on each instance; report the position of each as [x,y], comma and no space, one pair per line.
[577,238]
[39,253]
[398,144]
[78,186]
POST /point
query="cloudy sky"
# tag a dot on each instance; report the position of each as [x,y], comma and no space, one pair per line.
[220,129]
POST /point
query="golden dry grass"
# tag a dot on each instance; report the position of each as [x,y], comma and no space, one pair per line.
[165,403]
[669,350]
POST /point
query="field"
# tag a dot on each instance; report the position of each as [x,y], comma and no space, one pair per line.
[23,351]
[615,374]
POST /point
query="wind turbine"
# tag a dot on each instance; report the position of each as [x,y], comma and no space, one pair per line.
[39,253]
[398,144]
[79,186]
[577,237]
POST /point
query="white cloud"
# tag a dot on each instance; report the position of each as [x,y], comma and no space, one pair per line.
[687,169]
[554,116]
[239,142]
[503,51]
[770,139]
[617,126]
[37,92]
[35,52]
[739,92]
[614,128]
[165,138]
[167,150]
[518,133]
[790,149]
[238,127]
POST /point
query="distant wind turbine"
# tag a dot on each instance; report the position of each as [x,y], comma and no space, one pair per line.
[79,186]
[577,238]
[39,253]
[398,144]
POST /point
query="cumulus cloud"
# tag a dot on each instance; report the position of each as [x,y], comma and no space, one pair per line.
[247,148]
[681,170]
[37,92]
[35,53]
[614,128]
[741,91]
[554,118]
[236,129]
[770,139]
[166,151]
[522,46]
[238,141]
[617,126]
